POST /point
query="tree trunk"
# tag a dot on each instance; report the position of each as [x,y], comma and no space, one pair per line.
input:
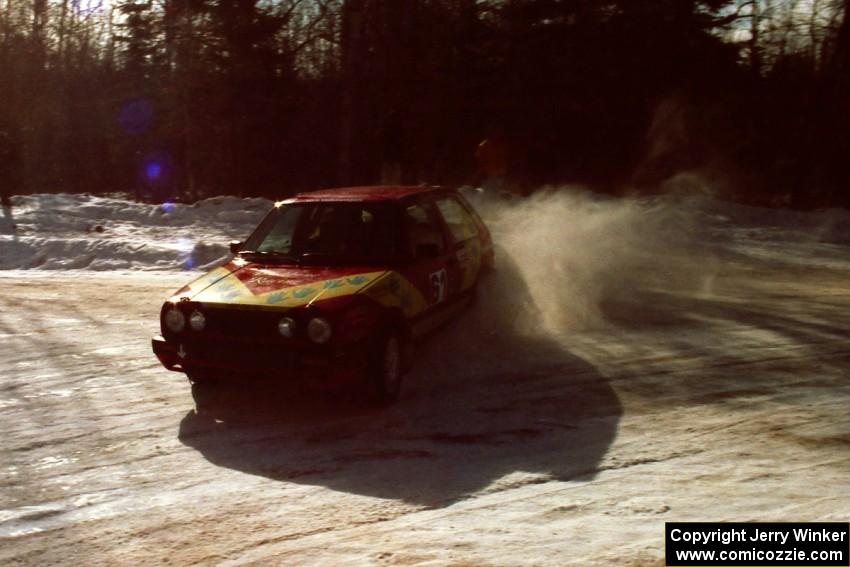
[39,24]
[352,40]
[755,36]
[185,65]
[841,56]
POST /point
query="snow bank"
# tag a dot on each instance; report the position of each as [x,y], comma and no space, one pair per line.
[802,239]
[62,231]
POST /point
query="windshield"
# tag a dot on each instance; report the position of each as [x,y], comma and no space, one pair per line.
[328,233]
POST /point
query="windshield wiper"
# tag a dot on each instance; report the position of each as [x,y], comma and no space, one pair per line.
[270,254]
[330,257]
[334,258]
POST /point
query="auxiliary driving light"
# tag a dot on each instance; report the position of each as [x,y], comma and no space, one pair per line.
[319,330]
[286,327]
[175,320]
[197,321]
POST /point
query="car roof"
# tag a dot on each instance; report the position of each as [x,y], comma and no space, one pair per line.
[365,193]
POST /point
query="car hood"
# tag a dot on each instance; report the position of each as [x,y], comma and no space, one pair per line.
[246,283]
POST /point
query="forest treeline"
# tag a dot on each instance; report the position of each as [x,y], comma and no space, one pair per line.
[190,98]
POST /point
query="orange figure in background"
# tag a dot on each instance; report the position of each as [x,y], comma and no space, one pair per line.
[492,156]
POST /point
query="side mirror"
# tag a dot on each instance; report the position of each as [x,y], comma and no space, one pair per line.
[235,246]
[427,251]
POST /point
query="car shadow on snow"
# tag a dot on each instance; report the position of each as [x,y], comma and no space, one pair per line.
[487,406]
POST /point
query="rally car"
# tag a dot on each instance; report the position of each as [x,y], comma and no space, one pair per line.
[333,284]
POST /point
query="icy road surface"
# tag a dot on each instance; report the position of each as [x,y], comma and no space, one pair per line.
[568,447]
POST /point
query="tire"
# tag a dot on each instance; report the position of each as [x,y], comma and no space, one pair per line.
[206,388]
[194,379]
[201,378]
[488,265]
[386,368]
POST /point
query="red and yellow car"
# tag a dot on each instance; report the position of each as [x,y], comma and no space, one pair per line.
[332,284]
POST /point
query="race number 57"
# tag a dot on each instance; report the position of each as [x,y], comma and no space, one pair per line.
[439,285]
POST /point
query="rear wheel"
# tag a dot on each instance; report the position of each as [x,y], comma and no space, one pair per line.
[386,368]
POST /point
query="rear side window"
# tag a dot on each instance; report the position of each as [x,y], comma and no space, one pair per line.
[422,226]
[460,222]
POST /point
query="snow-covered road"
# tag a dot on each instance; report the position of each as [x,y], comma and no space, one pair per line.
[669,397]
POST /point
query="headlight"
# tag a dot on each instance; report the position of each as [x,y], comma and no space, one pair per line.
[319,330]
[286,327]
[197,321]
[175,320]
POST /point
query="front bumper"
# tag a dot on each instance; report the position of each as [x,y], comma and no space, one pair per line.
[226,358]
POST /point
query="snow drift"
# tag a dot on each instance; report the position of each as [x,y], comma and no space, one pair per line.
[62,231]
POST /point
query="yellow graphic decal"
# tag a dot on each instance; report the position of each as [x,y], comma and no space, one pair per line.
[208,279]
[394,290]
[231,290]
[200,283]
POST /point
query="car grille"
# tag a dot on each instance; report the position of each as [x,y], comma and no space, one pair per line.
[243,340]
[241,324]
[245,356]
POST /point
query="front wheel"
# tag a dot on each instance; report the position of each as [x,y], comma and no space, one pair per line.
[202,378]
[386,368]
[209,394]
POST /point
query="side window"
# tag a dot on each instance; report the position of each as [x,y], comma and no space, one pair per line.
[460,222]
[377,231]
[367,231]
[422,227]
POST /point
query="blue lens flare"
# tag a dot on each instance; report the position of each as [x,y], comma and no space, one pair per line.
[153,170]
[185,245]
[136,116]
